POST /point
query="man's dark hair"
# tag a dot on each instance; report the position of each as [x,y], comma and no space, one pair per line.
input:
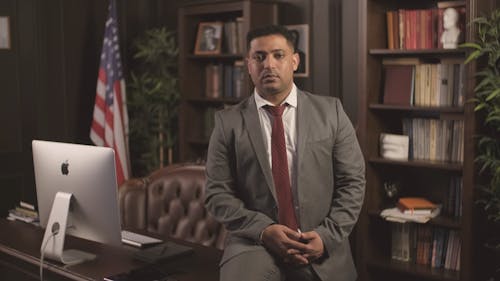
[271,30]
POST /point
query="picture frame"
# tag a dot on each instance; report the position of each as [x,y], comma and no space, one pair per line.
[301,35]
[208,38]
[5,33]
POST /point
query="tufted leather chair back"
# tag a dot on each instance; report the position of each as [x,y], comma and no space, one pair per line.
[173,205]
[132,203]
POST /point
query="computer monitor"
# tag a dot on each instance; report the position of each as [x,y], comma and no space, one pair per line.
[82,178]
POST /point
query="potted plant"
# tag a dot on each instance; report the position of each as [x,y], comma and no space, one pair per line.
[153,98]
[487,103]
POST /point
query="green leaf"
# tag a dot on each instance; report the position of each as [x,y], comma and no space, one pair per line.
[479,106]
[474,55]
[470,45]
[493,95]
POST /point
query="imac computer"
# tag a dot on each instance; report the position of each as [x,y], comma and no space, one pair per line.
[77,195]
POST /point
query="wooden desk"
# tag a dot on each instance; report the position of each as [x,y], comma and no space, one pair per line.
[20,258]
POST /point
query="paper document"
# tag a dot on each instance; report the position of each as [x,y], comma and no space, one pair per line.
[394,214]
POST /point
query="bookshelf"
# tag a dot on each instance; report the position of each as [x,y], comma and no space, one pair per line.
[415,177]
[197,103]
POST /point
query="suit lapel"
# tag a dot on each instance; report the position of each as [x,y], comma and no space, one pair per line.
[303,127]
[252,121]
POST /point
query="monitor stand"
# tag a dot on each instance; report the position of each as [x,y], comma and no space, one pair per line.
[55,232]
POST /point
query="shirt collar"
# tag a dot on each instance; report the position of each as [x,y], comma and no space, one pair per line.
[291,99]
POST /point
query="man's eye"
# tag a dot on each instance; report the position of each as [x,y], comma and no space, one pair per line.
[279,56]
[259,57]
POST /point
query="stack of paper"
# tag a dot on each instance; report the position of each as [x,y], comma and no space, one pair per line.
[395,214]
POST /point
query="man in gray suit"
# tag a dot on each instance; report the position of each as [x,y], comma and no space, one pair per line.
[290,218]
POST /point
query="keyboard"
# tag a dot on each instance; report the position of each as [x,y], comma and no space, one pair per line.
[138,240]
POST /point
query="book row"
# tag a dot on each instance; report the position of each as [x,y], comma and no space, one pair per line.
[452,206]
[420,28]
[224,80]
[427,85]
[209,119]
[234,36]
[435,139]
[423,244]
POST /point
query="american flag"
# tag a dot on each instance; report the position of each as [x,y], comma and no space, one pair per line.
[110,122]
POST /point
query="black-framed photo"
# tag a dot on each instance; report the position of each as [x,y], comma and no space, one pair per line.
[300,33]
[4,33]
[208,39]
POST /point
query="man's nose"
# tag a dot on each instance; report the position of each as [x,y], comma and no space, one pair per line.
[269,62]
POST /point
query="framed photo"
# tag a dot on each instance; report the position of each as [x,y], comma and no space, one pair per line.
[4,33]
[301,35]
[208,39]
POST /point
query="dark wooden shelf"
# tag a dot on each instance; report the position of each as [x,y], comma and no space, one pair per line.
[418,52]
[438,165]
[440,109]
[441,220]
[439,180]
[216,57]
[422,271]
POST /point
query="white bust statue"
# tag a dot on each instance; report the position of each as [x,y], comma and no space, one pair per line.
[451,32]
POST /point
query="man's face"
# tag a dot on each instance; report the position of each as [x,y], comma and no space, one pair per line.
[209,33]
[271,63]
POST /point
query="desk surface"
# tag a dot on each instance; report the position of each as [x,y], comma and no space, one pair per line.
[20,243]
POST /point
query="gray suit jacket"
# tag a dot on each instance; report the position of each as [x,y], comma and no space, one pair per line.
[330,182]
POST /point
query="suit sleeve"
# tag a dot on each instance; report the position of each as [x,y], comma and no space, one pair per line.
[349,187]
[221,199]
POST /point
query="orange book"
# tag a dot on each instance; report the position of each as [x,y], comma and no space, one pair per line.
[390,27]
[415,203]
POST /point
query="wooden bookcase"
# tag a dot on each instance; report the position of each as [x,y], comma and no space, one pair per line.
[415,177]
[196,109]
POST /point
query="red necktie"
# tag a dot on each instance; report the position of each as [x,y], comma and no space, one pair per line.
[281,176]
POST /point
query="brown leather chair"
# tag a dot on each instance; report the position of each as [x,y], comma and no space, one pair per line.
[170,201]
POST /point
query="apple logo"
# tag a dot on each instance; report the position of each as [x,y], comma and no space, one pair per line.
[64,168]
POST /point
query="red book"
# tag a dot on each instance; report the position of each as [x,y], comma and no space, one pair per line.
[398,87]
[415,203]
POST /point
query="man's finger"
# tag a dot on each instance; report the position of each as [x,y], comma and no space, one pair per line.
[298,260]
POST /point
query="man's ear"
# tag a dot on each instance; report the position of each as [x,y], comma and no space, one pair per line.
[247,62]
[295,61]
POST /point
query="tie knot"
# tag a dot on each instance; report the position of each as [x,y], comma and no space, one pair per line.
[275,110]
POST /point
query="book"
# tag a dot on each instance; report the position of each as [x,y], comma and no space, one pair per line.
[27,205]
[398,87]
[401,61]
[418,212]
[24,212]
[390,18]
[413,204]
[238,79]
[450,4]
[228,81]
[401,241]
